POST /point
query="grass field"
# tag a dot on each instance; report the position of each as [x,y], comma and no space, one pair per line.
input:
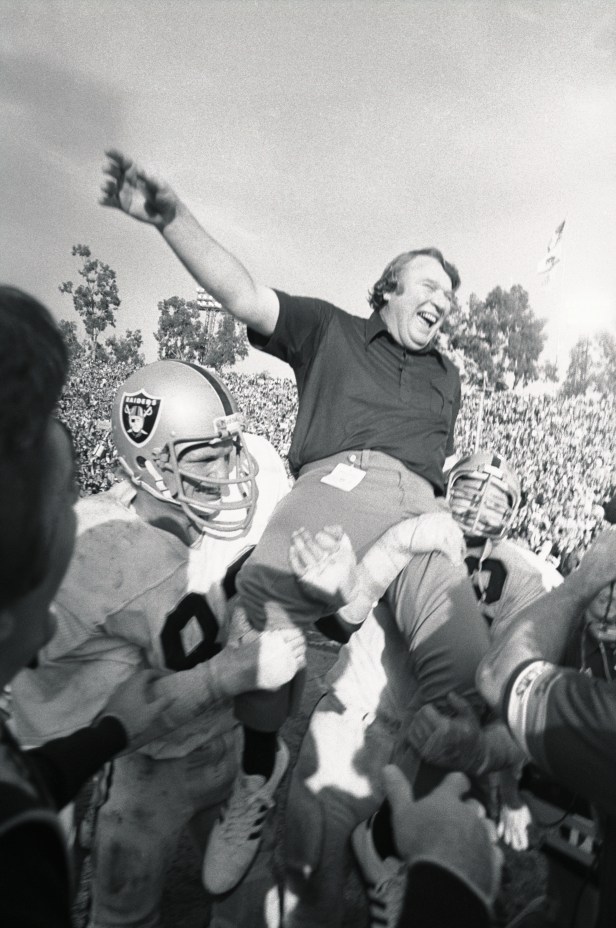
[185,904]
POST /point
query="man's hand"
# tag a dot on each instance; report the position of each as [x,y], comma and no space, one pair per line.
[432,531]
[128,187]
[324,565]
[263,660]
[454,743]
[513,826]
[444,829]
[150,703]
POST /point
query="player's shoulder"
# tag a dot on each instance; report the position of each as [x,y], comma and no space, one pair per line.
[525,561]
[116,555]
[111,506]
[263,450]
[272,479]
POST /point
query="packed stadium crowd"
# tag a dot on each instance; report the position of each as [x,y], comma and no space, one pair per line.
[562,448]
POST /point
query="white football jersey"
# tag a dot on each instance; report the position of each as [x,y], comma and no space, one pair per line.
[507,577]
[135,596]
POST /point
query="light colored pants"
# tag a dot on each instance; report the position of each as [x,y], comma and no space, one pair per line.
[388,493]
[335,785]
[148,804]
[432,614]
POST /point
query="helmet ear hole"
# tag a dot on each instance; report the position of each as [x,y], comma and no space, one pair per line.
[140,461]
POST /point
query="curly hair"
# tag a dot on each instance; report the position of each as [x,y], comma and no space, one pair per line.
[33,370]
[388,281]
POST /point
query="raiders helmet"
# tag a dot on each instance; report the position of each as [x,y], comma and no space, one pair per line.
[483,493]
[167,409]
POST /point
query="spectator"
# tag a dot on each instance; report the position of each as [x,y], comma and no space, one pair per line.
[564,719]
[450,851]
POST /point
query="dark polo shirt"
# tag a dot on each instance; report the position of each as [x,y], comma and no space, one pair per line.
[358,389]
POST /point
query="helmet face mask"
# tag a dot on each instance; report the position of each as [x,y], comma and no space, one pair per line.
[483,494]
[179,437]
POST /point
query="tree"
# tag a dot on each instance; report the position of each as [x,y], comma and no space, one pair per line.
[226,345]
[125,350]
[97,299]
[605,376]
[68,331]
[183,335]
[500,334]
[549,372]
[465,339]
[578,376]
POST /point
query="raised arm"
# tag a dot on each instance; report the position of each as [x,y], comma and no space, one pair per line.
[148,198]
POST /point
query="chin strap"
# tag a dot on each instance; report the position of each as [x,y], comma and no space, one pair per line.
[156,475]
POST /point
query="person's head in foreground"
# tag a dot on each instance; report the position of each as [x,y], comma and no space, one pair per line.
[37,488]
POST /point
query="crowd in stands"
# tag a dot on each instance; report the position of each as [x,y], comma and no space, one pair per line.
[564,449]
[85,407]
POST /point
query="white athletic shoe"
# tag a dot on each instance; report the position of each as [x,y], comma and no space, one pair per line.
[385,879]
[236,836]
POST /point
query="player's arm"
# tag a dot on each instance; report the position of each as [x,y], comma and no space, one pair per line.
[564,721]
[456,741]
[541,630]
[432,531]
[148,198]
[149,704]
[326,568]
[65,764]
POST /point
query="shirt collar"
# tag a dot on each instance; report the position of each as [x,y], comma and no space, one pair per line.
[375,326]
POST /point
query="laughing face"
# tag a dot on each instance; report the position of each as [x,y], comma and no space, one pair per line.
[416,310]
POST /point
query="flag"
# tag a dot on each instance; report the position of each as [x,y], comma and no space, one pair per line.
[554,252]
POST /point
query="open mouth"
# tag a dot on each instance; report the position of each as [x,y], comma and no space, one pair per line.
[429,318]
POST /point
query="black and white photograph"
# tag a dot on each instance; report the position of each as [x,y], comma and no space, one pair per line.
[308,464]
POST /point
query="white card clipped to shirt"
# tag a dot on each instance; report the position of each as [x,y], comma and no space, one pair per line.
[344,477]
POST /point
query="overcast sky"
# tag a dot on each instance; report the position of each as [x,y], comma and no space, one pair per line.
[317,140]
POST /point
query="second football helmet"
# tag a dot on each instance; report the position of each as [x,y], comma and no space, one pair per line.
[170,413]
[483,493]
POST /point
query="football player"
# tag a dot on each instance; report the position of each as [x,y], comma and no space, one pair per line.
[391,666]
[149,587]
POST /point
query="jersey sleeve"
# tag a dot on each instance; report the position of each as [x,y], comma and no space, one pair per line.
[564,720]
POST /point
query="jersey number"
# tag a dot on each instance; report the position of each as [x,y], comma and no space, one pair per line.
[189,634]
[488,578]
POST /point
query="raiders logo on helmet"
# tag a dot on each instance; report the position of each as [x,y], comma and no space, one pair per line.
[139,415]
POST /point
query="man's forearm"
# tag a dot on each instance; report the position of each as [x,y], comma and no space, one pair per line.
[219,272]
[149,704]
[538,632]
